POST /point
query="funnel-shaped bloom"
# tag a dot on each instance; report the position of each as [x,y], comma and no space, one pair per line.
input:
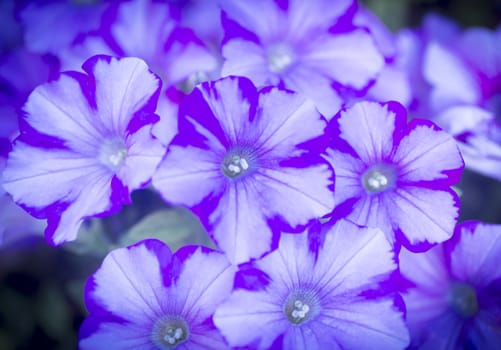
[85,144]
[247,162]
[394,175]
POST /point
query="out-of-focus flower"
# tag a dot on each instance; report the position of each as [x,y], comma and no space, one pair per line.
[308,46]
[319,298]
[412,50]
[20,72]
[142,297]
[465,77]
[204,17]
[392,83]
[456,82]
[151,31]
[52,26]
[10,29]
[247,163]
[394,175]
[454,297]
[85,143]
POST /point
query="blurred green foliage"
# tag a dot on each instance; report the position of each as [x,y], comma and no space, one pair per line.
[398,14]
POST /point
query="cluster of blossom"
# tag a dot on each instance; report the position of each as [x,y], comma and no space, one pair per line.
[332,210]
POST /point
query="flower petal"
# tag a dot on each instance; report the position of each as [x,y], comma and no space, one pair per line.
[141,28]
[254,312]
[136,272]
[123,87]
[373,211]
[187,175]
[100,333]
[252,65]
[428,154]
[481,49]
[312,83]
[369,127]
[367,324]
[60,109]
[351,59]
[213,274]
[452,82]
[286,121]
[351,266]
[143,156]
[476,257]
[392,84]
[230,100]
[307,191]
[261,16]
[424,214]
[239,226]
[427,271]
[318,14]
[186,55]
[441,333]
[348,171]
[52,172]
[485,334]
[95,197]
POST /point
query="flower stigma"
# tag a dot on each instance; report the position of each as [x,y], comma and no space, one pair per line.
[280,58]
[463,299]
[113,153]
[378,178]
[238,162]
[193,80]
[301,306]
[169,332]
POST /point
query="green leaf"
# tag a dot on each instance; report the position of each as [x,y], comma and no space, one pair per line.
[92,240]
[175,226]
[53,312]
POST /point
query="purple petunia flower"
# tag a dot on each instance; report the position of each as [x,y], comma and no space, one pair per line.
[395,176]
[308,46]
[465,77]
[151,31]
[454,298]
[456,82]
[85,143]
[465,69]
[319,298]
[243,162]
[164,301]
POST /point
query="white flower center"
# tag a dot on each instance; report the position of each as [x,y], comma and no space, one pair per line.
[173,335]
[193,80]
[280,58]
[235,166]
[169,331]
[301,306]
[239,161]
[379,178]
[113,153]
[300,310]
[463,299]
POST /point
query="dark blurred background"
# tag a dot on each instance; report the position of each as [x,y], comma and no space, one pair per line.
[41,287]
